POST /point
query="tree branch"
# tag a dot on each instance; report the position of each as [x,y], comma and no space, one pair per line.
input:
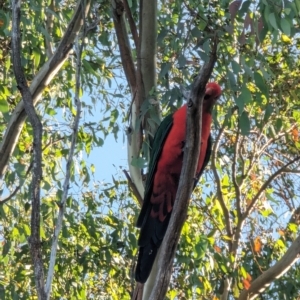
[17,188]
[133,188]
[62,205]
[279,269]
[191,154]
[234,179]
[34,239]
[131,24]
[6,199]
[229,231]
[146,67]
[134,132]
[124,45]
[148,34]
[39,83]
[49,27]
[218,182]
[265,185]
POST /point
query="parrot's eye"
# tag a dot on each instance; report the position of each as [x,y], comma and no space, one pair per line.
[206,97]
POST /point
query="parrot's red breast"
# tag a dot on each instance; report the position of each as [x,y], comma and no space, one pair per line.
[166,178]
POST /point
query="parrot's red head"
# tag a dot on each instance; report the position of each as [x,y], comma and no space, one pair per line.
[212,93]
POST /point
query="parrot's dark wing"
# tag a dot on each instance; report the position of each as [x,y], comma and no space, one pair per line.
[152,230]
[157,146]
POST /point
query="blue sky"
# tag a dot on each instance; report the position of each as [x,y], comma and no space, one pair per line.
[108,158]
[112,155]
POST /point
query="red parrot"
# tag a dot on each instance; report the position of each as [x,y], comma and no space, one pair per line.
[163,178]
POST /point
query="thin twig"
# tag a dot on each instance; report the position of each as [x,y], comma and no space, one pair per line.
[133,188]
[242,161]
[265,185]
[207,211]
[218,183]
[259,153]
[234,179]
[17,188]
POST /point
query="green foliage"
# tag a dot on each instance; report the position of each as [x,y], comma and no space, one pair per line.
[255,126]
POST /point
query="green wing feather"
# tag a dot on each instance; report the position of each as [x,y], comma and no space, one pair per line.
[157,146]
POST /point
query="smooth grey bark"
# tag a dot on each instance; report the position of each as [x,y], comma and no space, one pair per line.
[141,76]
